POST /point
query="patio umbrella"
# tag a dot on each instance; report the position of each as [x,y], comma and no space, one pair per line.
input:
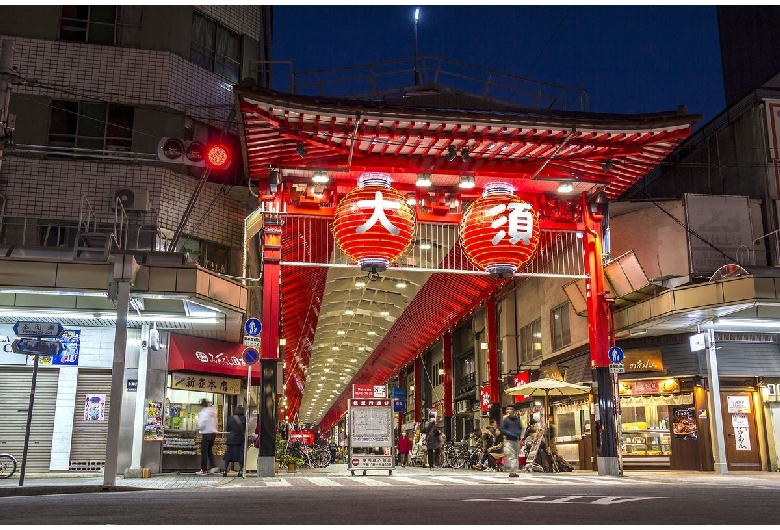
[546,387]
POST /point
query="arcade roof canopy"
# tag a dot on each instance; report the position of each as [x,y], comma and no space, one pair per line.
[534,150]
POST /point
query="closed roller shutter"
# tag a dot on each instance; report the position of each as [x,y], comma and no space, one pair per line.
[15,400]
[88,446]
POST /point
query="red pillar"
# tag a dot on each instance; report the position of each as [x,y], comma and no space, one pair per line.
[599,341]
[417,389]
[491,331]
[448,412]
[272,254]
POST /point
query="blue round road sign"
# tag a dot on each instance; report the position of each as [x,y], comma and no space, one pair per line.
[251,355]
[615,354]
[253,327]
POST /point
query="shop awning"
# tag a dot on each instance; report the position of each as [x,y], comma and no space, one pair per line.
[193,354]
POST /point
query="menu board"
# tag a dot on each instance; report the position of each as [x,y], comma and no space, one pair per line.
[371,426]
[684,423]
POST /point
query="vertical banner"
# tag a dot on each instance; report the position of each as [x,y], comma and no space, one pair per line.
[399,399]
[484,401]
[521,379]
[95,407]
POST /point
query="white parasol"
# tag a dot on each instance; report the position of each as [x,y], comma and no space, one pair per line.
[546,387]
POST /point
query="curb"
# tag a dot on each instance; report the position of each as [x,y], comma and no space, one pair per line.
[32,491]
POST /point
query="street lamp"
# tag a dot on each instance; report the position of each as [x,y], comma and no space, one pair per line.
[416,71]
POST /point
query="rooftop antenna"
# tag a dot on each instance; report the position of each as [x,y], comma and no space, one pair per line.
[416,71]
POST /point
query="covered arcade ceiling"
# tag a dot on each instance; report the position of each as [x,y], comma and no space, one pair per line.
[341,328]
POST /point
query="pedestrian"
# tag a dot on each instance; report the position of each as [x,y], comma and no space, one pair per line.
[404,448]
[333,448]
[432,441]
[528,436]
[236,428]
[207,427]
[512,430]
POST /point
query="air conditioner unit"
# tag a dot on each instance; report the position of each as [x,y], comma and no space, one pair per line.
[133,199]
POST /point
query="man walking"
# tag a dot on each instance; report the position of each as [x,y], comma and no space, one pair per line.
[512,430]
[207,426]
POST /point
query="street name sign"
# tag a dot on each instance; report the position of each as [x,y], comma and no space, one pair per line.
[30,346]
[25,328]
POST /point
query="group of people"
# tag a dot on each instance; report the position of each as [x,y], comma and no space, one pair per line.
[236,429]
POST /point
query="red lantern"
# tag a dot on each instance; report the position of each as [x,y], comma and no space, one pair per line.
[373,225]
[499,231]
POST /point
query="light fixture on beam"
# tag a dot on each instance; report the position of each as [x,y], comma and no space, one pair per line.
[464,154]
[451,154]
[302,152]
[565,187]
[423,180]
[320,177]
[467,182]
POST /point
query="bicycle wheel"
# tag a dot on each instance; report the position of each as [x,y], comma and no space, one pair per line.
[7,466]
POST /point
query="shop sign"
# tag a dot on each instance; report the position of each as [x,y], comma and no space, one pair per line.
[738,404]
[206,383]
[656,386]
[643,361]
[306,437]
[369,391]
[522,379]
[371,462]
[399,399]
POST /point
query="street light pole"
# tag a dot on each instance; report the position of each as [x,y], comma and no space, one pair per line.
[416,70]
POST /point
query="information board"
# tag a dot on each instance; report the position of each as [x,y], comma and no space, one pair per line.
[371,425]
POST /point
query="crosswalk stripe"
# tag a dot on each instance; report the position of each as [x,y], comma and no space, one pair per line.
[321,481]
[277,483]
[411,480]
[454,480]
[365,481]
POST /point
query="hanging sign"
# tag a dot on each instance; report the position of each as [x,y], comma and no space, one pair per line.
[399,399]
[484,393]
[521,379]
[373,224]
[500,232]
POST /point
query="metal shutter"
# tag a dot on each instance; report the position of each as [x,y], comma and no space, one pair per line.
[88,444]
[15,398]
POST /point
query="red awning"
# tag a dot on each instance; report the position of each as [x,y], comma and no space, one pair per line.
[193,354]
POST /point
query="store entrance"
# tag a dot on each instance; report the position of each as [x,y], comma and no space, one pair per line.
[739,430]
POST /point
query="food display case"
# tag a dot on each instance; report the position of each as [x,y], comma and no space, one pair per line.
[646,448]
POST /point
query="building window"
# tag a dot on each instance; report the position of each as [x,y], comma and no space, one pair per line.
[531,341]
[438,373]
[208,255]
[111,25]
[89,125]
[215,48]
[561,334]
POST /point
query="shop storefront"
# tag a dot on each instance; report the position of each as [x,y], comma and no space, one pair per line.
[201,369]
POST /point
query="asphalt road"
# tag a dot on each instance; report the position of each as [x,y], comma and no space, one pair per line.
[442,499]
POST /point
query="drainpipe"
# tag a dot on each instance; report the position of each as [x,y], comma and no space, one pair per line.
[135,470]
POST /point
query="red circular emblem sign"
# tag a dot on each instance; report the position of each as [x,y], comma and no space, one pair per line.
[499,231]
[373,225]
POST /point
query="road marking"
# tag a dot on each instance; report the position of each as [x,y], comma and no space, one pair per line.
[365,481]
[276,482]
[412,481]
[455,480]
[569,499]
[321,481]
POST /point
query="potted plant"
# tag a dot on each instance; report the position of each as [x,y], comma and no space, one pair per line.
[291,462]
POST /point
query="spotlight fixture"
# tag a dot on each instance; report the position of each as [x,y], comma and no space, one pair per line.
[606,165]
[565,187]
[302,152]
[451,154]
[320,177]
[464,154]
[467,182]
[423,180]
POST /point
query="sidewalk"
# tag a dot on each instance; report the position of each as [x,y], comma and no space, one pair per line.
[62,483]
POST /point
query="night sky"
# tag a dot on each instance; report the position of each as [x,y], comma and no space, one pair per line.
[629,59]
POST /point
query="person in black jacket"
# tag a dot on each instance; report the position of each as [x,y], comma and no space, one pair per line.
[236,427]
[432,441]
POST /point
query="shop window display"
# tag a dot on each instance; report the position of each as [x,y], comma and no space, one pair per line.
[646,430]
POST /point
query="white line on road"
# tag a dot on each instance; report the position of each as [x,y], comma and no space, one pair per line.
[321,481]
[411,481]
[365,481]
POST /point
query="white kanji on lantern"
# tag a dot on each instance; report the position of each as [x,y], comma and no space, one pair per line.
[486,399]
[520,219]
[379,205]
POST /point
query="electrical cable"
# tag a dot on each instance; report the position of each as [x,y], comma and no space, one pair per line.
[548,42]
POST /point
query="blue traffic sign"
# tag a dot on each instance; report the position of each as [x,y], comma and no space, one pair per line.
[615,354]
[25,328]
[251,355]
[29,346]
[253,327]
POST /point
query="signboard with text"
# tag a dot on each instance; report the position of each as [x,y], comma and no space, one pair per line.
[206,383]
[369,391]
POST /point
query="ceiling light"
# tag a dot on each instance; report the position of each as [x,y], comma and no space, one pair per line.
[467,182]
[334,348]
[353,360]
[401,285]
[341,332]
[425,245]
[282,342]
[451,154]
[565,187]
[385,313]
[330,359]
[360,283]
[361,348]
[372,332]
[349,312]
[423,180]
[320,177]
[411,200]
[301,150]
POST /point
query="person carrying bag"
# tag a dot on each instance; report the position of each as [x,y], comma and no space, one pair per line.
[235,441]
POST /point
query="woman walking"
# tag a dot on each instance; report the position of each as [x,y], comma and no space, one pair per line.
[235,441]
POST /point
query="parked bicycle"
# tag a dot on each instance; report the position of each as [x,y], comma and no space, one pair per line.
[7,465]
[317,456]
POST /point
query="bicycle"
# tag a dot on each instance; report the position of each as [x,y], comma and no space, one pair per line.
[7,465]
